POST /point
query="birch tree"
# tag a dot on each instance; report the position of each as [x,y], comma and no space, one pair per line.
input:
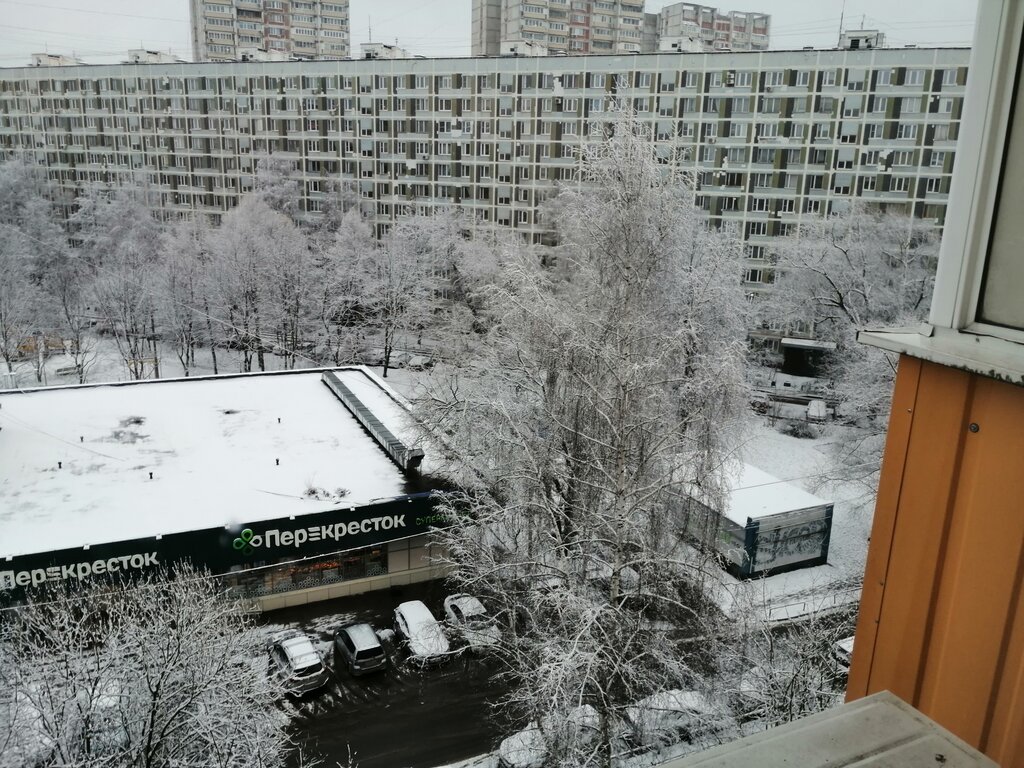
[149,673]
[613,382]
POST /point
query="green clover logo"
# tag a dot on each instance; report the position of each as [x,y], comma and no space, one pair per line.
[242,542]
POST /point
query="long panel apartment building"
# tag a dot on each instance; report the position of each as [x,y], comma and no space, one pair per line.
[232,30]
[770,137]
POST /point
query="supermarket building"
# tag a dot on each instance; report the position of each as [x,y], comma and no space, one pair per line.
[293,487]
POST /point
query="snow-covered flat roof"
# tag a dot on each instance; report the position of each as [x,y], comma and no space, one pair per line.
[756,494]
[75,462]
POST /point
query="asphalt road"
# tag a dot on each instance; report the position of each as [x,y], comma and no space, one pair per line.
[404,716]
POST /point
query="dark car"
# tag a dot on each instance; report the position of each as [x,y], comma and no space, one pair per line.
[295,660]
[357,646]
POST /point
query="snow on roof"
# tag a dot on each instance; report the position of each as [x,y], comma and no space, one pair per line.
[756,494]
[363,636]
[827,346]
[75,462]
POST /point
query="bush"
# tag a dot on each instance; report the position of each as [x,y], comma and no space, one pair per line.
[800,429]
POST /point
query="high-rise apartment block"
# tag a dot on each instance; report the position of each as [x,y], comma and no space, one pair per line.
[562,26]
[226,30]
[712,30]
[771,138]
[614,26]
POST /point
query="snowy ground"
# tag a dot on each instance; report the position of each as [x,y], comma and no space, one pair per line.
[811,464]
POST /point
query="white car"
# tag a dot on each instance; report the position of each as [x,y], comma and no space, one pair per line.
[529,747]
[468,615]
[668,717]
[416,625]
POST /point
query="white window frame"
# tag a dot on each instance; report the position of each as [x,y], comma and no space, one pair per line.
[973,193]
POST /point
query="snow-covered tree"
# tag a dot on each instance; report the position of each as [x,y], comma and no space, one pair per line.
[850,271]
[612,384]
[779,672]
[338,311]
[20,300]
[248,251]
[148,673]
[186,285]
[117,238]
[399,280]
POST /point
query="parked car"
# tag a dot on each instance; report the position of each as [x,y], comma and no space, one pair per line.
[296,661]
[416,625]
[357,646]
[669,717]
[529,747]
[843,651]
[469,617]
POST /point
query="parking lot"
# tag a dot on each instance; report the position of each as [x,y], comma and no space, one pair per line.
[403,716]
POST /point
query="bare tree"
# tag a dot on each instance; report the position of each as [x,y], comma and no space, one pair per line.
[68,284]
[20,310]
[336,266]
[245,248]
[399,280]
[780,672]
[850,271]
[613,382]
[118,238]
[151,673]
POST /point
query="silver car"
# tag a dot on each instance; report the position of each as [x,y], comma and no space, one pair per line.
[358,648]
[296,661]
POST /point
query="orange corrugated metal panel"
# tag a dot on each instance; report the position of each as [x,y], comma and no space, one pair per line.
[883,526]
[943,579]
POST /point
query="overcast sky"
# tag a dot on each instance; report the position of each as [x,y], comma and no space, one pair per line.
[101,30]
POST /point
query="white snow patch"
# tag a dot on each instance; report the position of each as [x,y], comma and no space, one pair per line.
[75,463]
[755,494]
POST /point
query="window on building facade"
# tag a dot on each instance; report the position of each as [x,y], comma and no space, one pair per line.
[914,77]
[906,131]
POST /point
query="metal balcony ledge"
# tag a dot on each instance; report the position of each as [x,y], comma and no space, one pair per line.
[880,730]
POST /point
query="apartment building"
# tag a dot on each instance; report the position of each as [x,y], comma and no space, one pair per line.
[562,26]
[304,29]
[771,138]
[712,30]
